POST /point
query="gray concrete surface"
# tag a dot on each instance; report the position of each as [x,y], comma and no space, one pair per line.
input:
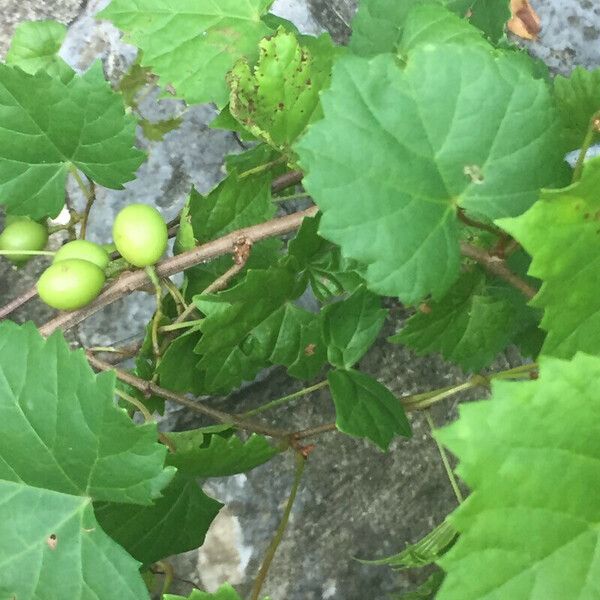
[570,35]
[16,11]
[354,500]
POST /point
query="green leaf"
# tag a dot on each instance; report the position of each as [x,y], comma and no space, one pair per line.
[225,592]
[432,23]
[469,326]
[350,327]
[192,44]
[365,408]
[561,232]
[253,325]
[201,455]
[525,319]
[328,273]
[380,24]
[46,126]
[177,369]
[176,523]
[422,553]
[300,345]
[184,239]
[251,161]
[131,84]
[34,47]
[225,120]
[279,97]
[52,403]
[578,99]
[427,590]
[395,156]
[52,547]
[233,204]
[145,367]
[275,22]
[531,456]
[308,248]
[155,131]
[66,443]
[490,17]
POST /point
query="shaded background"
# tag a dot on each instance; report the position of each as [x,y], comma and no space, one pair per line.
[354,500]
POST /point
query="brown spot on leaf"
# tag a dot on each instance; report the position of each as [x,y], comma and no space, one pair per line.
[310,349]
[52,541]
[425,308]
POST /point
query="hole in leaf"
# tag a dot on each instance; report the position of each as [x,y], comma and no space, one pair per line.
[474,173]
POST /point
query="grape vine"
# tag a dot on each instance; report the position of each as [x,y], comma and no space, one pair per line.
[423,165]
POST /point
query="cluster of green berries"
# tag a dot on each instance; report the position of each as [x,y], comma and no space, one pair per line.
[77,273]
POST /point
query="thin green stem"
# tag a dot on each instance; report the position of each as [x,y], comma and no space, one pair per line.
[272,549]
[445,461]
[426,399]
[175,294]
[74,218]
[262,168]
[431,398]
[176,326]
[136,403]
[110,349]
[593,127]
[522,371]
[186,313]
[284,399]
[217,285]
[169,574]
[152,275]
[90,197]
[148,418]
[27,252]
[291,197]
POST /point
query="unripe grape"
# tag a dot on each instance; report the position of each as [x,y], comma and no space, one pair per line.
[22,233]
[140,234]
[70,284]
[83,250]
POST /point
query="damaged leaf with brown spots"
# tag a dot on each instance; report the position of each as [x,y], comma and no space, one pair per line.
[277,99]
[524,22]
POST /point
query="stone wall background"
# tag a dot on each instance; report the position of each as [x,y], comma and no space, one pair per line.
[354,501]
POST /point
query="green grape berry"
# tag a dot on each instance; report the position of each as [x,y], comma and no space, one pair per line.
[70,284]
[22,233]
[140,234]
[83,250]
